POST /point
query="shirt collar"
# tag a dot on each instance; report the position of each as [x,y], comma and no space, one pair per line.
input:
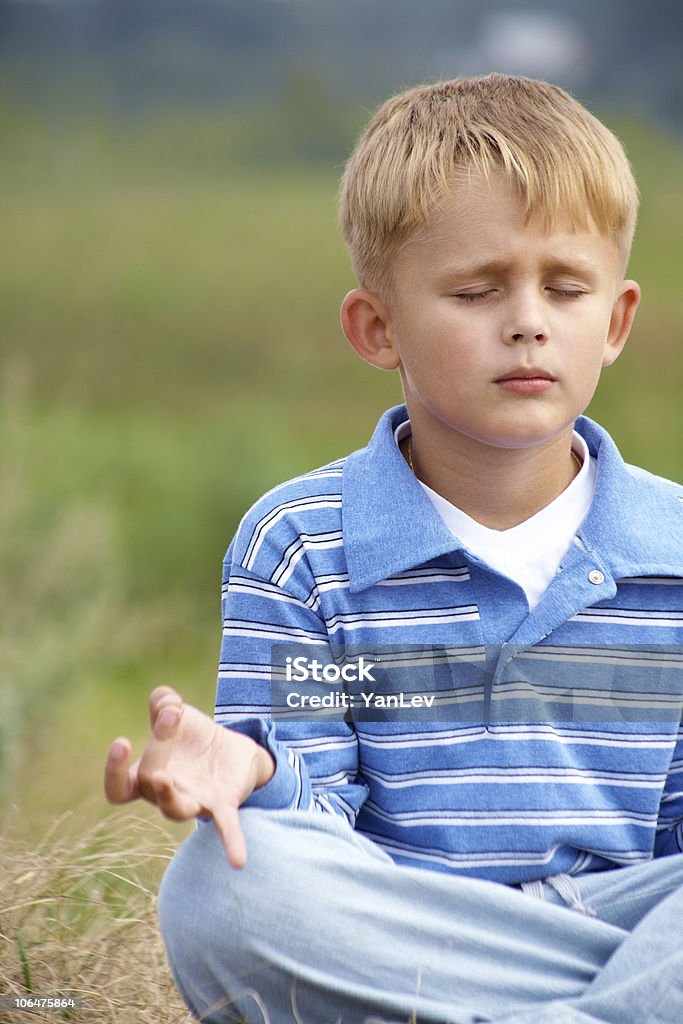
[636,519]
[389,525]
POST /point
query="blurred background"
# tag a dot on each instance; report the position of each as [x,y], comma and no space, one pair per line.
[170,277]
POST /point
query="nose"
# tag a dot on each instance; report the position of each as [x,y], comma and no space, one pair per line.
[526,321]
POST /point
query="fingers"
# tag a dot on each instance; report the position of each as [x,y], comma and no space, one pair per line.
[172,799]
[159,698]
[120,781]
[177,804]
[159,749]
[167,719]
[227,824]
[178,766]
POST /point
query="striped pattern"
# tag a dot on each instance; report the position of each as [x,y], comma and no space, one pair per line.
[554,742]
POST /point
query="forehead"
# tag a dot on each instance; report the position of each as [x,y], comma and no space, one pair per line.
[485,220]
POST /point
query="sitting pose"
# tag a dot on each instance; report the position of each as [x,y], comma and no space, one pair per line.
[444,778]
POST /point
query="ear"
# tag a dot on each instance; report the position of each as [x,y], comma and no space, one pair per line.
[623,312]
[366,323]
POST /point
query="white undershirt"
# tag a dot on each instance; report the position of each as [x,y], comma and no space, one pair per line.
[531,552]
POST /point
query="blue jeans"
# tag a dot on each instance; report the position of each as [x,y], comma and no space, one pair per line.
[321,926]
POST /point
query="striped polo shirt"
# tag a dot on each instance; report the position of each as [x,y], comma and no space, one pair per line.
[483,738]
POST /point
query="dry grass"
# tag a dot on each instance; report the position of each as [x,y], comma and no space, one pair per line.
[78,917]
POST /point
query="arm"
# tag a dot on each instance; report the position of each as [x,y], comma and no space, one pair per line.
[192,766]
[316,761]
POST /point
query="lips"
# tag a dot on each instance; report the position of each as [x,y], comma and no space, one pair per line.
[526,373]
[526,380]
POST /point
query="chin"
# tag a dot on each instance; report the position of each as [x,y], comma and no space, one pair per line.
[527,435]
[519,441]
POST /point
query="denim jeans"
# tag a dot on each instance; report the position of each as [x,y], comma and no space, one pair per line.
[322,927]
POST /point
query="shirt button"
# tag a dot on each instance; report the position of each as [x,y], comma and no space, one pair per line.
[596,577]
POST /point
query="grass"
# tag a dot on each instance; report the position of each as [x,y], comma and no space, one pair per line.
[78,917]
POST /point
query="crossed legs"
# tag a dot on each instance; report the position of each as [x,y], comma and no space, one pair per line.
[321,926]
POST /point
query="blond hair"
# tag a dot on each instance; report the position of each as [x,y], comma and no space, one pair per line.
[561,158]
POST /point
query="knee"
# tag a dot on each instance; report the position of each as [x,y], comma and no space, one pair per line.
[207,909]
[204,916]
[195,896]
[230,933]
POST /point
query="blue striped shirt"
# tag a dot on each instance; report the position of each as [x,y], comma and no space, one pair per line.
[554,741]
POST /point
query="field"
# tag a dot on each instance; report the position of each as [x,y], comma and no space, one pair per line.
[169,350]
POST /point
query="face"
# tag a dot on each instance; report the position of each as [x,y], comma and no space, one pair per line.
[500,329]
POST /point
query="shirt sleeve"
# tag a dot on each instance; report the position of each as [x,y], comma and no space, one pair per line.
[317,761]
[669,838]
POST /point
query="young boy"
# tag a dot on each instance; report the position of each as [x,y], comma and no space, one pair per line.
[508,848]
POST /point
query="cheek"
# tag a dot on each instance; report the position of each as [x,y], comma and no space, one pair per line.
[439,348]
[590,357]
[438,369]
[585,376]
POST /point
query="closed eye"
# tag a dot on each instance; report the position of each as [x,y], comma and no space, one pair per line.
[560,293]
[474,296]
[567,293]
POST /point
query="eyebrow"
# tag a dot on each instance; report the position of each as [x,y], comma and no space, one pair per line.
[563,264]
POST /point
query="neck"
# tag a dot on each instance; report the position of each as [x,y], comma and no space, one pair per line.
[497,487]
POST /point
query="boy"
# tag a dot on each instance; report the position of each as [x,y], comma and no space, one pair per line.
[508,849]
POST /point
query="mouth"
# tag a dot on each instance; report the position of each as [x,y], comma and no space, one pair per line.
[526,380]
